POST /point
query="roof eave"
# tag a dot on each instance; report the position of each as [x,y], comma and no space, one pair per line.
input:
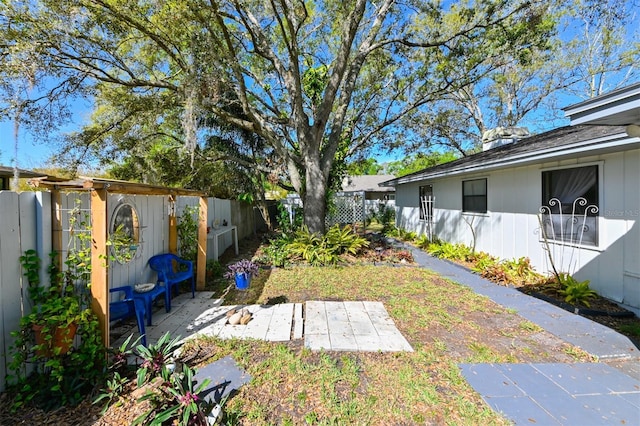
[589,146]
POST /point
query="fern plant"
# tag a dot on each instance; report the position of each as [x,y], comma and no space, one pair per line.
[326,250]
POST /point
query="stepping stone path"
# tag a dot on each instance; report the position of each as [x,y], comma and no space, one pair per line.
[336,326]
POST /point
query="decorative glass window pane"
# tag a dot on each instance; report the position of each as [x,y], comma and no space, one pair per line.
[570,205]
[474,196]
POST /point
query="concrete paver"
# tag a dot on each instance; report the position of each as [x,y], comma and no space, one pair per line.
[563,394]
[553,394]
[351,326]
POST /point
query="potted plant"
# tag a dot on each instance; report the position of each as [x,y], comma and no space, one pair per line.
[51,326]
[46,336]
[242,271]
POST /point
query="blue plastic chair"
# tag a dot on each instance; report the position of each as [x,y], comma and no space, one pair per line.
[127,308]
[172,270]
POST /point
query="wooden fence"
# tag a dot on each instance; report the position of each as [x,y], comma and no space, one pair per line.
[27,223]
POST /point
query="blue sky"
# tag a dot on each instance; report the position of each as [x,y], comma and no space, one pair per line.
[32,153]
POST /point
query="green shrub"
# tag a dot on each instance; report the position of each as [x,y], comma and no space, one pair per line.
[423,242]
[277,252]
[449,251]
[401,234]
[214,269]
[188,233]
[574,291]
[483,261]
[385,216]
[326,250]
[287,228]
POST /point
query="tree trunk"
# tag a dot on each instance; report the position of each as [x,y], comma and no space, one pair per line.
[263,208]
[315,202]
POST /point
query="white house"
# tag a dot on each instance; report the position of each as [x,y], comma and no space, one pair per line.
[582,181]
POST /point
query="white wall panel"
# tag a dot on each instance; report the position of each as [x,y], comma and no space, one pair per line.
[510,227]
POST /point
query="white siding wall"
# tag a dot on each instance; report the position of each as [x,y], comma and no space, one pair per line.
[510,227]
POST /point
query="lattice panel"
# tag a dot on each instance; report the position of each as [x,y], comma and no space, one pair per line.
[349,209]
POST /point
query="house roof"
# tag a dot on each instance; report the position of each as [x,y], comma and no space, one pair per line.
[618,107]
[564,142]
[8,172]
[366,183]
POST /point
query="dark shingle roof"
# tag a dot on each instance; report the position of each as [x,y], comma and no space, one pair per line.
[554,141]
[367,183]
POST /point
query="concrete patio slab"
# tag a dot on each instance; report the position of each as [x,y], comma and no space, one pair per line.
[351,326]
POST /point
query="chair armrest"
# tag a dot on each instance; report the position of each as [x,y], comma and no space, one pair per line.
[185,262]
[127,289]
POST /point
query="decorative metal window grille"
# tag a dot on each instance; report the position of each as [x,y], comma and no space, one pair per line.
[567,232]
[426,213]
[570,205]
[576,228]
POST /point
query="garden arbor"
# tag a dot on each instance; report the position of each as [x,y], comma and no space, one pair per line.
[101,210]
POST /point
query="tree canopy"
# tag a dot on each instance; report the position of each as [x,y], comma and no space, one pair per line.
[310,79]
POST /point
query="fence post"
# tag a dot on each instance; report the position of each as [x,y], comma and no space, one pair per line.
[201,264]
[99,277]
[173,225]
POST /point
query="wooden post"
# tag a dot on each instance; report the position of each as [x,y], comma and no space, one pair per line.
[201,265]
[173,225]
[99,262]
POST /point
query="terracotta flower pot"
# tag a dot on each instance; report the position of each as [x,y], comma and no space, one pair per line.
[62,338]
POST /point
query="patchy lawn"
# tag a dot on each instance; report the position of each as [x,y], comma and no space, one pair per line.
[446,324]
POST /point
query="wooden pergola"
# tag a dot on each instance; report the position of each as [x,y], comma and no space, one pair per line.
[98,189]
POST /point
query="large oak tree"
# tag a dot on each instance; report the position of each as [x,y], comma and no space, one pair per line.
[308,78]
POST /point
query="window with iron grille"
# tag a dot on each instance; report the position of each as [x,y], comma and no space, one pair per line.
[570,204]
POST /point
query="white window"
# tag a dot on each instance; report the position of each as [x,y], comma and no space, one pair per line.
[474,196]
[570,205]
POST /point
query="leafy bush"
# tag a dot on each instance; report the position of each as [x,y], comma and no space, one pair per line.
[277,252]
[171,392]
[385,216]
[214,269]
[516,271]
[177,401]
[449,251]
[284,221]
[574,291]
[423,241]
[326,250]
[59,377]
[188,233]
[401,234]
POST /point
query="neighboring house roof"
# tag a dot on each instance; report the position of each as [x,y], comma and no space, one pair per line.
[8,172]
[366,183]
[565,142]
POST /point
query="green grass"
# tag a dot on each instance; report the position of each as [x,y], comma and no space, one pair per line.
[447,324]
